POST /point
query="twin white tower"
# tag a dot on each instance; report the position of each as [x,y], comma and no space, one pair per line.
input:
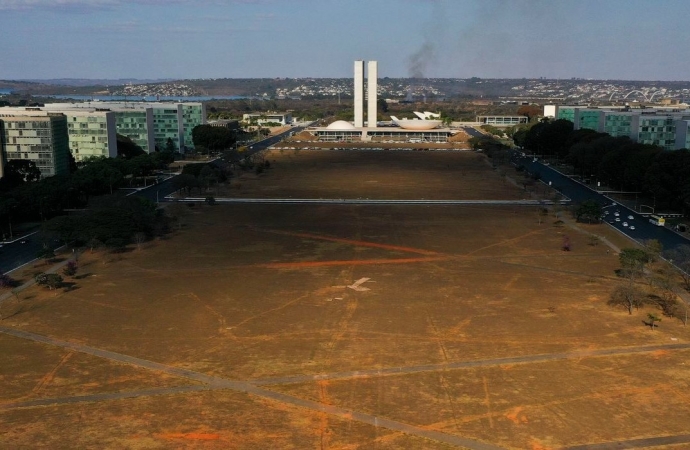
[372,97]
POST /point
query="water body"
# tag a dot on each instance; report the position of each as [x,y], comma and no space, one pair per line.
[150,98]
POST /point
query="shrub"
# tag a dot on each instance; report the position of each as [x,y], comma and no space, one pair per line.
[51,280]
[70,269]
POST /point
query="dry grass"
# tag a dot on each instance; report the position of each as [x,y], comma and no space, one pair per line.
[256,292]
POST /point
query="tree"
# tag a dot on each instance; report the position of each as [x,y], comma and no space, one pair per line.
[589,211]
[652,319]
[628,296]
[653,248]
[46,253]
[633,260]
[680,257]
[530,111]
[127,148]
[666,288]
[213,138]
[50,280]
[382,105]
[170,146]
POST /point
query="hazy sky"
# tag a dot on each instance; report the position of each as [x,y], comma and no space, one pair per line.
[621,39]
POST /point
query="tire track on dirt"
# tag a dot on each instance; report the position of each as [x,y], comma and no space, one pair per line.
[47,378]
[214,382]
[348,262]
[57,401]
[442,378]
[357,243]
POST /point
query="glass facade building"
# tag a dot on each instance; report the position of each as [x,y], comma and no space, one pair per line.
[91,134]
[150,124]
[42,139]
[665,128]
[136,125]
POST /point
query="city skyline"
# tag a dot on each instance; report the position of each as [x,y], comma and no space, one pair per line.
[178,39]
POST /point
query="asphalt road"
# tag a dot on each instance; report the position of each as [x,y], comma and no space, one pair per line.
[472,132]
[15,254]
[578,192]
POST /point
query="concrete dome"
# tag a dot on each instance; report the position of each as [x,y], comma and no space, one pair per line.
[341,125]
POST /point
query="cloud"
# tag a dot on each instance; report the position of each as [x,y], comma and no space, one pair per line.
[88,5]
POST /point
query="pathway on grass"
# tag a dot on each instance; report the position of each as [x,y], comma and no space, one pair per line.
[471,364]
[635,443]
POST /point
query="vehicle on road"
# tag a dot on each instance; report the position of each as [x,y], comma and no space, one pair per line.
[630,217]
[625,224]
[632,227]
[618,219]
[616,214]
[657,220]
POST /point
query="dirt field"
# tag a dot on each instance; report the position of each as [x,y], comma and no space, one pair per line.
[376,175]
[304,326]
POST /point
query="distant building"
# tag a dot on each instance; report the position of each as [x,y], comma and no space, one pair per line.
[269,117]
[41,138]
[229,124]
[502,121]
[665,127]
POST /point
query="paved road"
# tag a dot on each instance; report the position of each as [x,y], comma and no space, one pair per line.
[473,132]
[578,192]
[15,254]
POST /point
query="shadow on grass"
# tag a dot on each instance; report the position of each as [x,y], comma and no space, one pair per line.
[69,286]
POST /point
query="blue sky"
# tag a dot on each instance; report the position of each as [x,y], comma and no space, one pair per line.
[621,39]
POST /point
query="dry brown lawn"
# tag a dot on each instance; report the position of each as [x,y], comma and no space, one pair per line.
[258,293]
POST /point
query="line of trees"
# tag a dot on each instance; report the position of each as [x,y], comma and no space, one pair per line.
[25,197]
[647,280]
[110,222]
[617,161]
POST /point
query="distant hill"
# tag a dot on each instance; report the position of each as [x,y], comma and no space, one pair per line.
[93,82]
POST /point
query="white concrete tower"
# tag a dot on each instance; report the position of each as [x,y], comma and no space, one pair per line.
[372,96]
[359,94]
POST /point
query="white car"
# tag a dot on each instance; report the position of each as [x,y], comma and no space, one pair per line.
[618,219]
[616,214]
[632,227]
[630,217]
[625,224]
[606,213]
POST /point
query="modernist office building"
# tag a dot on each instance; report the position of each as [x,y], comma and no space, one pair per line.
[91,133]
[667,128]
[41,138]
[150,124]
